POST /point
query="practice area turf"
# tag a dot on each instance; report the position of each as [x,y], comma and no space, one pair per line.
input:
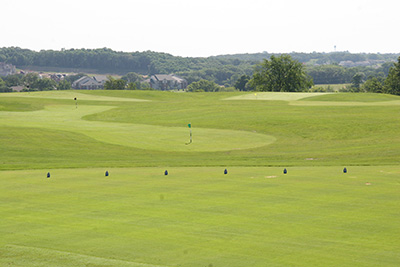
[315,215]
[252,216]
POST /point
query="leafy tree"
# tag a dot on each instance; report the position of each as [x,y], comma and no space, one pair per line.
[328,74]
[132,77]
[280,74]
[203,86]
[114,84]
[13,80]
[373,85]
[240,84]
[4,87]
[392,82]
[30,79]
[44,84]
[64,85]
[132,86]
[145,86]
[133,80]
[386,67]
[357,80]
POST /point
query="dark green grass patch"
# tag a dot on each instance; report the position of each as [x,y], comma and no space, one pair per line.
[15,104]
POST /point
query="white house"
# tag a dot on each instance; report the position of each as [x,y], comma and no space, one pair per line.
[167,82]
[6,69]
[89,83]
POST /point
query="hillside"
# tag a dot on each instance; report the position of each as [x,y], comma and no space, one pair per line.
[224,69]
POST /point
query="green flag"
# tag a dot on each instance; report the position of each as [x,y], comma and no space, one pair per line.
[190,125]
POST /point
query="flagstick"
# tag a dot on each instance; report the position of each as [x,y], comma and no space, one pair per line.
[190,133]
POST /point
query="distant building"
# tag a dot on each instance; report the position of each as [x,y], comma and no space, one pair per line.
[18,88]
[7,69]
[166,82]
[89,83]
[57,77]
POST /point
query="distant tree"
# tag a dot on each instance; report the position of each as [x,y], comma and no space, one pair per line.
[30,79]
[357,80]
[145,86]
[64,85]
[44,84]
[203,86]
[386,67]
[240,84]
[373,85]
[328,74]
[281,74]
[4,87]
[13,80]
[392,82]
[132,86]
[114,84]
[132,77]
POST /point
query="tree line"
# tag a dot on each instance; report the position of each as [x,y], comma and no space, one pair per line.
[279,73]
[318,58]
[284,74]
[224,70]
[104,60]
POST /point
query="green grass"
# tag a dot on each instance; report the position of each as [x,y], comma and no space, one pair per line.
[201,217]
[236,133]
[196,216]
[142,136]
[276,96]
[353,97]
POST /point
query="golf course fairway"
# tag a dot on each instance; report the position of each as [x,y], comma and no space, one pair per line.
[111,179]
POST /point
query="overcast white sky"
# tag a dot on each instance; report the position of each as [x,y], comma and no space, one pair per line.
[203,27]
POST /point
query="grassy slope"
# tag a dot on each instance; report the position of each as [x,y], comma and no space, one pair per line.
[254,216]
[330,135]
[354,97]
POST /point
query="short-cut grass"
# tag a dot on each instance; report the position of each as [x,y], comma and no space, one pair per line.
[315,215]
[252,216]
[150,137]
[283,96]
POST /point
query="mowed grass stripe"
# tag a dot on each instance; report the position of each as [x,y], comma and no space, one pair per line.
[274,96]
[23,255]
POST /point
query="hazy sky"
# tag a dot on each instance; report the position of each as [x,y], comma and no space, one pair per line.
[203,27]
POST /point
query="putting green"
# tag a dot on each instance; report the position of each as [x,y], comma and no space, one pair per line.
[298,99]
[341,103]
[282,96]
[150,137]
